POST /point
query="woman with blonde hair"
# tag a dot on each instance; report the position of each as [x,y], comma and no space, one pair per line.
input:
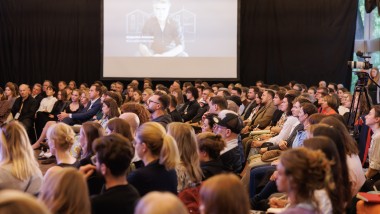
[159,153]
[146,94]
[189,170]
[160,203]
[66,192]
[18,166]
[13,201]
[60,139]
[223,194]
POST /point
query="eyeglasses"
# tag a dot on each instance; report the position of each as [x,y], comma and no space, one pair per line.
[94,160]
[217,126]
[151,101]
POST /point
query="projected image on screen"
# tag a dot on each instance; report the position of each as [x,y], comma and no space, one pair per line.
[170,39]
[161,34]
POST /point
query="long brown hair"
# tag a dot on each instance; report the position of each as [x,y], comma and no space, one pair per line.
[12,88]
[118,125]
[112,105]
[376,78]
[65,191]
[341,194]
[350,145]
[224,194]
[91,130]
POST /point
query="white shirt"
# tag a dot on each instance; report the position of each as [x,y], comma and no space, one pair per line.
[47,104]
[374,152]
[342,110]
[290,123]
[229,146]
[356,173]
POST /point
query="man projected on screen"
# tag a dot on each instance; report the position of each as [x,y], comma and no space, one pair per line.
[163,35]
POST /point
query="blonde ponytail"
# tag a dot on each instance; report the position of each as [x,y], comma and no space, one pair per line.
[169,155]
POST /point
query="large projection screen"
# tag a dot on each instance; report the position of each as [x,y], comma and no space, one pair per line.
[170,39]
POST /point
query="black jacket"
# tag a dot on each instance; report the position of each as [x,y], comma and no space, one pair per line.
[189,110]
[211,168]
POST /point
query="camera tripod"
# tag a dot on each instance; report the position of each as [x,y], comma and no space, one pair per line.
[360,90]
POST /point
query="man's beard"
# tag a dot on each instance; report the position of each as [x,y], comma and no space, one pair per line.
[151,110]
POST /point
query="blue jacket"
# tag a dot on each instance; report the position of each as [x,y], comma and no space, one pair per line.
[87,113]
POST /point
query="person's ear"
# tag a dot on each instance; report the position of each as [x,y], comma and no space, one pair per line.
[377,119]
[144,148]
[103,169]
[228,132]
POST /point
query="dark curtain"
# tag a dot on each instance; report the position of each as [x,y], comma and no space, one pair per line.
[49,39]
[280,41]
[306,41]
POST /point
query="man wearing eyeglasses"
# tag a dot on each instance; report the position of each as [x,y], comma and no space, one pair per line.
[229,125]
[157,105]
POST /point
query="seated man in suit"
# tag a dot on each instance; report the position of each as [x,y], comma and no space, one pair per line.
[87,113]
[264,116]
[251,96]
[37,93]
[24,110]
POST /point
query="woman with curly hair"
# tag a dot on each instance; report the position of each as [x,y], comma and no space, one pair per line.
[295,169]
[138,109]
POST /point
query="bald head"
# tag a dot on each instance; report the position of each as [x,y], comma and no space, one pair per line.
[24,90]
[132,119]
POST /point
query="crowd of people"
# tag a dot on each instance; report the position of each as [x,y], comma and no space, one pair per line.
[187,148]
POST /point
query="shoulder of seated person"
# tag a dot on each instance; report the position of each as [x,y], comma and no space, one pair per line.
[52,170]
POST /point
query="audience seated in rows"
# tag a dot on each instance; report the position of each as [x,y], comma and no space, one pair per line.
[167,156]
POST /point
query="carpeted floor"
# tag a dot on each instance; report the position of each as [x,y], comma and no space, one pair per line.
[43,167]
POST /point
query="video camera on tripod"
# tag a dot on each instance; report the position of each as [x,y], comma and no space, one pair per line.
[360,65]
[360,87]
